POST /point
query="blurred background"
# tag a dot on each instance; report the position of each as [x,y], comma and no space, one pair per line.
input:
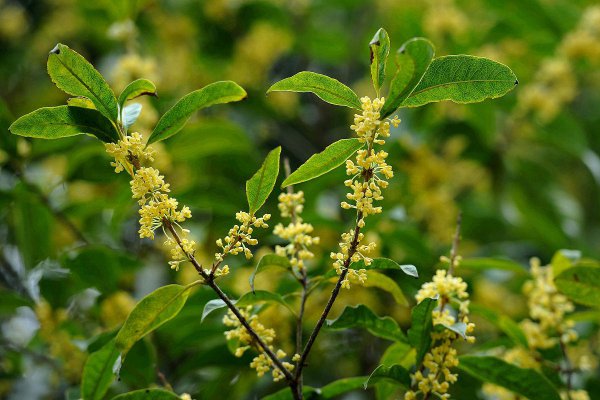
[523,169]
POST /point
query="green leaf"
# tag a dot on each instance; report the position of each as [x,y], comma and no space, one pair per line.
[318,164]
[362,317]
[260,186]
[137,88]
[174,119]
[503,322]
[394,373]
[380,49]
[76,76]
[412,60]
[384,282]
[580,284]
[148,394]
[462,79]
[82,102]
[341,386]
[526,382]
[309,393]
[327,89]
[459,328]
[419,334]
[248,299]
[564,259]
[64,121]
[269,261]
[98,372]
[386,263]
[151,312]
[493,263]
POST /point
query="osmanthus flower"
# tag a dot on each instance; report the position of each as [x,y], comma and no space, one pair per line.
[435,374]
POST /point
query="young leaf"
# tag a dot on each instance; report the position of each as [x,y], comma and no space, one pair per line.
[269,261]
[82,102]
[419,334]
[412,60]
[580,284]
[76,76]
[334,389]
[151,312]
[380,49]
[462,79]
[327,89]
[148,394]
[526,382]
[260,186]
[248,299]
[131,113]
[362,317]
[63,121]
[386,263]
[98,372]
[174,119]
[137,88]
[319,164]
[394,373]
[384,282]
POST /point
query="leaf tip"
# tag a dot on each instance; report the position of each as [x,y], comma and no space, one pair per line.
[516,82]
[56,49]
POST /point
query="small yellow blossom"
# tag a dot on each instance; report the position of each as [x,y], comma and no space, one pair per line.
[128,148]
[240,236]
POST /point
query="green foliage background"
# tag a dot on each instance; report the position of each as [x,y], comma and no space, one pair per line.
[523,169]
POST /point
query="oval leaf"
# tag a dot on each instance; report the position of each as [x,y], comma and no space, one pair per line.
[384,282]
[319,164]
[462,79]
[260,186]
[493,263]
[412,60]
[98,372]
[394,373]
[82,102]
[380,49]
[419,334]
[503,322]
[63,121]
[151,312]
[248,299]
[174,119]
[580,284]
[386,263]
[76,76]
[362,317]
[327,89]
[148,394]
[526,382]
[269,261]
[137,88]
[341,386]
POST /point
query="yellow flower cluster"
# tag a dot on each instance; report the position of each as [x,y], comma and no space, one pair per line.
[369,173]
[241,235]
[261,363]
[297,233]
[584,41]
[128,148]
[435,374]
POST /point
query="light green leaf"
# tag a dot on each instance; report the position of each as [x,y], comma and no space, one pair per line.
[148,394]
[419,334]
[393,373]
[174,119]
[63,121]
[98,372]
[462,79]
[76,76]
[269,261]
[82,102]
[526,382]
[341,386]
[380,49]
[248,299]
[503,322]
[137,88]
[399,353]
[260,186]
[384,282]
[362,317]
[386,263]
[318,164]
[151,312]
[412,60]
[327,89]
[493,263]
[564,259]
[580,284]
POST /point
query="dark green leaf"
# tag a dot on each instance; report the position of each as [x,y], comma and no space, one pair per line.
[412,60]
[76,76]
[362,317]
[269,261]
[384,282]
[394,373]
[318,164]
[328,89]
[580,284]
[386,263]
[526,382]
[63,121]
[341,386]
[248,299]
[309,393]
[462,79]
[151,312]
[98,372]
[380,49]
[419,334]
[137,88]
[174,119]
[148,394]
[260,186]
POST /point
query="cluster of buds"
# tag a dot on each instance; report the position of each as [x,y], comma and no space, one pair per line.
[240,236]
